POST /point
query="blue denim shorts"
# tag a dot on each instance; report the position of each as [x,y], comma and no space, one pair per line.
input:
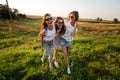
[47,45]
[65,43]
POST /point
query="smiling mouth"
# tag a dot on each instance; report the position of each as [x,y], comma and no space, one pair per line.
[49,22]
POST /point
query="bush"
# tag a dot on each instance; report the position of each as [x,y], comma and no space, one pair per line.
[115,20]
[4,13]
[99,20]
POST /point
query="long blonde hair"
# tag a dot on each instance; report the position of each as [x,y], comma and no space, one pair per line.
[44,26]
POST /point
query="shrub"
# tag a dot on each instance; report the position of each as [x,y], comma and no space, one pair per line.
[115,20]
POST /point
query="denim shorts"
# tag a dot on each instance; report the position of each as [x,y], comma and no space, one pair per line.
[65,43]
[47,45]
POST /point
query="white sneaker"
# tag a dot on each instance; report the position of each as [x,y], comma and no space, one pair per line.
[42,59]
[56,64]
[68,70]
[50,67]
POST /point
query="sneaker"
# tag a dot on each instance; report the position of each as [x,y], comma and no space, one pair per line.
[42,59]
[68,70]
[50,67]
[56,64]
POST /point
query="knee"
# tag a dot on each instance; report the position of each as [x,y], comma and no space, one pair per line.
[65,55]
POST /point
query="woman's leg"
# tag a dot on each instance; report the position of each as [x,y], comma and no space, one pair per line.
[55,58]
[44,56]
[49,51]
[65,52]
[55,54]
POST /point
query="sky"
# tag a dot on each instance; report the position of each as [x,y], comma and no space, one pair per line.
[88,9]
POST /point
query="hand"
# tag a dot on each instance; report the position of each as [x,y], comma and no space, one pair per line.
[42,49]
[59,30]
[55,35]
[76,24]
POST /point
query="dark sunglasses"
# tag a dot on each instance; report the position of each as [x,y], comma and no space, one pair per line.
[60,22]
[48,19]
[71,17]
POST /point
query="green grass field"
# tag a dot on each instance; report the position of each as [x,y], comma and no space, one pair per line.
[95,54]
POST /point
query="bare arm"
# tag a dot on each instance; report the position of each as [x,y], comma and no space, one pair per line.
[40,38]
[75,29]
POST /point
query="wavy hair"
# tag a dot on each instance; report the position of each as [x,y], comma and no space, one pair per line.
[56,26]
[44,26]
[76,15]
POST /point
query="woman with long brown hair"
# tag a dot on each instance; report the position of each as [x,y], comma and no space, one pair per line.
[67,39]
[46,37]
[60,30]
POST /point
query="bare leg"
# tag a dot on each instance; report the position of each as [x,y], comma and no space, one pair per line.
[65,52]
[55,54]
[55,58]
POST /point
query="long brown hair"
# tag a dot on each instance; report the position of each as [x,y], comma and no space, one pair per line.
[44,26]
[76,15]
[56,26]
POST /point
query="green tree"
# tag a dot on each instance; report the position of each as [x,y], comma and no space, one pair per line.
[5,14]
[115,20]
[4,11]
[99,20]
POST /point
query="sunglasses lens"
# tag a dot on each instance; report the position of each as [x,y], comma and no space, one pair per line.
[60,22]
[71,17]
[48,19]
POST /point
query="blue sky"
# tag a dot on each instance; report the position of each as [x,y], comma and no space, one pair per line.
[91,9]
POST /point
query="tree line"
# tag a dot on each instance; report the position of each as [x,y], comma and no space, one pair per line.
[99,20]
[4,13]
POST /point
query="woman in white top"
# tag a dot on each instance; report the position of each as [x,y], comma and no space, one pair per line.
[67,39]
[60,30]
[46,36]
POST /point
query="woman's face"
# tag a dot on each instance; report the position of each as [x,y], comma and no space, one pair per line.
[72,18]
[48,20]
[60,23]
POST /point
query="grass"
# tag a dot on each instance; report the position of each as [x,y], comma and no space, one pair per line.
[95,55]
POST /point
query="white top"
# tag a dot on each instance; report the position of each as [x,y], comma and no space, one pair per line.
[49,34]
[69,29]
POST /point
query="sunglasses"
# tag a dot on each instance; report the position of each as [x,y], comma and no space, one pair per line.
[48,19]
[60,22]
[71,17]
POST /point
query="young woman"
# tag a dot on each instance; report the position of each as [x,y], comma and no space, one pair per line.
[46,36]
[67,39]
[60,30]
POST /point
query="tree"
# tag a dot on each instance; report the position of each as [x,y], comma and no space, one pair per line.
[5,14]
[9,10]
[115,20]
[99,20]
[4,11]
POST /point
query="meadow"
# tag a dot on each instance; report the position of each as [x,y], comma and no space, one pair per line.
[95,54]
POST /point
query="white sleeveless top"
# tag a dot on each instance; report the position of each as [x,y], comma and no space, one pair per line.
[68,34]
[49,34]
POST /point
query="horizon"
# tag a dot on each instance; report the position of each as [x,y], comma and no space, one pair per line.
[107,10]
